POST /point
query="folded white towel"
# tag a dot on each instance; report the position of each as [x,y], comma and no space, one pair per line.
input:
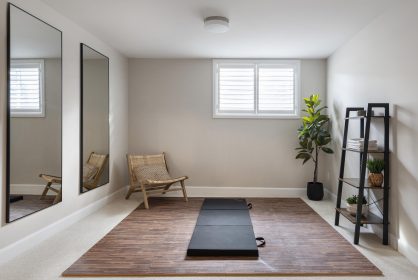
[360,141]
[361,147]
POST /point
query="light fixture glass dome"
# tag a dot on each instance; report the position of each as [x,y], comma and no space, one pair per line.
[217,24]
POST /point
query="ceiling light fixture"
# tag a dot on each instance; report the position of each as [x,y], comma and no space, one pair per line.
[216,24]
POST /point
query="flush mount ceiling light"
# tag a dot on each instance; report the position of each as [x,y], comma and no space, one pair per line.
[217,24]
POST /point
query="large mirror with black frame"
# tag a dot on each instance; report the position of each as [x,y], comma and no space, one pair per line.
[94,136]
[34,110]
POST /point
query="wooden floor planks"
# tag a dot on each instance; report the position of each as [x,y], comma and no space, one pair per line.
[154,243]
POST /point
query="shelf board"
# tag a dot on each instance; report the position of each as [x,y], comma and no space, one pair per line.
[355,182]
[363,117]
[361,151]
[370,219]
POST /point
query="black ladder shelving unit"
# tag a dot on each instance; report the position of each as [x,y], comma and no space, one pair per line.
[360,183]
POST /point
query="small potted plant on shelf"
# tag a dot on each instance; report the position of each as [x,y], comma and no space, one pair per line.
[313,138]
[352,205]
[375,167]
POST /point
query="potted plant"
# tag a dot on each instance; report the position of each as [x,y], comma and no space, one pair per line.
[313,138]
[352,205]
[375,167]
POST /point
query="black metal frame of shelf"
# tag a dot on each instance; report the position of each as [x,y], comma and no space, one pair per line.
[360,220]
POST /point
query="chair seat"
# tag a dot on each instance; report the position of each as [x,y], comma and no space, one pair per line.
[165,182]
[51,178]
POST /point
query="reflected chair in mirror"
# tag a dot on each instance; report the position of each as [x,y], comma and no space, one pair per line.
[93,170]
[149,175]
[50,181]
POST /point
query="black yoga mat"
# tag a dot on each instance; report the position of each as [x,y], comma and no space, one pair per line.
[223,228]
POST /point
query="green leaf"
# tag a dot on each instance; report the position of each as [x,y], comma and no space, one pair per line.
[305,160]
[327,150]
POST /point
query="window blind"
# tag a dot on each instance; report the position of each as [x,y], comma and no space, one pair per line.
[256,88]
[26,80]
[276,88]
[236,89]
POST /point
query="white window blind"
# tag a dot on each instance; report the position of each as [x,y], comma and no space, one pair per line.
[236,89]
[256,89]
[276,89]
[26,97]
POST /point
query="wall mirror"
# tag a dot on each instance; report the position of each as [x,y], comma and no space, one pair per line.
[34,92]
[94,146]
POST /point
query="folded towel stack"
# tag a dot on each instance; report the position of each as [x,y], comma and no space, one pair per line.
[358,144]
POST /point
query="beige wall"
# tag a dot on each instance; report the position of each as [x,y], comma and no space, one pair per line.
[380,64]
[170,110]
[73,203]
[96,111]
[36,142]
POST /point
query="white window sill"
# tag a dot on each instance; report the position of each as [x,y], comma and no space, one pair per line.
[252,116]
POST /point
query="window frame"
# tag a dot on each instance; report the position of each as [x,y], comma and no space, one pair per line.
[256,63]
[26,113]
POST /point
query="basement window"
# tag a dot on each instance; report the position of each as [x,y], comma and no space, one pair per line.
[256,88]
[27,88]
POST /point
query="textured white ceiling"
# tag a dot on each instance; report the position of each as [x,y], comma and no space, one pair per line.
[259,28]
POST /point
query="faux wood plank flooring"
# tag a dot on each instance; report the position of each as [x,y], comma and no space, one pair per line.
[154,243]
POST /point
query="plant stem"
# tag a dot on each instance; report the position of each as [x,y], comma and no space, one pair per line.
[316,165]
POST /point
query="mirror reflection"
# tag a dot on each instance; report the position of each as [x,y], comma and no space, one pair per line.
[94,166]
[34,115]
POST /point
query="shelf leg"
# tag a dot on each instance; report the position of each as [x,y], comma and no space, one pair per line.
[386,181]
[362,176]
[337,214]
[358,217]
[342,166]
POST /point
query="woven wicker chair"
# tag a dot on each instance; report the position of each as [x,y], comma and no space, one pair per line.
[149,175]
[96,160]
[99,162]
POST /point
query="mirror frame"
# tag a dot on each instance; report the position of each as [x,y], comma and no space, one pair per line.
[8,115]
[81,163]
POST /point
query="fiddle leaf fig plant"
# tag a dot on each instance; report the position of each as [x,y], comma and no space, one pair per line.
[314,133]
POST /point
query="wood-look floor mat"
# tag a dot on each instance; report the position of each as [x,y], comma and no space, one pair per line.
[154,243]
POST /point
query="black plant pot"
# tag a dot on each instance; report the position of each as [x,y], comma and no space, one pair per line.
[315,191]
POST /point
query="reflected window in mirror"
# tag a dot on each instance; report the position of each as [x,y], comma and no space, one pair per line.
[26,88]
[34,124]
[94,136]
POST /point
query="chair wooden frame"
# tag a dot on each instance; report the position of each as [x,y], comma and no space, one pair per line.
[95,159]
[50,180]
[151,187]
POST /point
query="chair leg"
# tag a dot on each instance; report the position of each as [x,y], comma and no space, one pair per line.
[130,191]
[58,197]
[184,191]
[46,190]
[144,193]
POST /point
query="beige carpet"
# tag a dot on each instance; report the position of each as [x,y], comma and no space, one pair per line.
[154,243]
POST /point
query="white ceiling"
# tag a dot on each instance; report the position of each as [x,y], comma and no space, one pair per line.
[259,28]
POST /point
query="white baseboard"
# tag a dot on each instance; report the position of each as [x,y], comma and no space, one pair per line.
[16,248]
[194,191]
[393,240]
[29,189]
[330,195]
[410,253]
